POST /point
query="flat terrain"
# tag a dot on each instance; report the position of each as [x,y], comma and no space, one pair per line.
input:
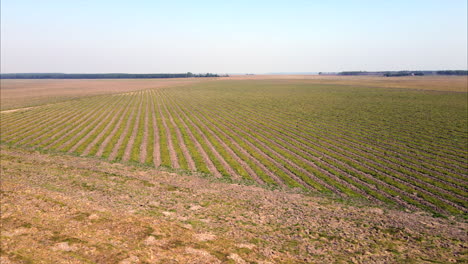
[434,83]
[401,147]
[64,209]
[24,93]
[242,169]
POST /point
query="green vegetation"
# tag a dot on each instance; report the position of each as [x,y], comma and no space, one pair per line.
[401,147]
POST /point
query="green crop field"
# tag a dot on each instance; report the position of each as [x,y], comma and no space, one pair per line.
[403,147]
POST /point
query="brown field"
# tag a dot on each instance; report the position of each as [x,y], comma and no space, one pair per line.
[436,83]
[245,169]
[24,93]
[62,209]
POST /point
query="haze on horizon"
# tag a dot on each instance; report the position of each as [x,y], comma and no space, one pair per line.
[238,37]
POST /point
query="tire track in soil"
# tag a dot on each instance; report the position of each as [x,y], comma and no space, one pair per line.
[223,162]
[172,153]
[116,128]
[182,145]
[206,158]
[144,142]
[230,151]
[131,141]
[119,143]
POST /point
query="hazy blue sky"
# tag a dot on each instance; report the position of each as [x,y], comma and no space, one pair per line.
[232,36]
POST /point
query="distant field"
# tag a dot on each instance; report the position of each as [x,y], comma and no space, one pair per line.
[434,83]
[390,146]
[24,93]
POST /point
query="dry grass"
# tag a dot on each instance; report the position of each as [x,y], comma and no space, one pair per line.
[62,209]
[23,93]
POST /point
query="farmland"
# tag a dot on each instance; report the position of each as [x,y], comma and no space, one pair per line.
[395,147]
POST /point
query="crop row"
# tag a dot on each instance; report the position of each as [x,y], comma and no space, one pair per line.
[228,135]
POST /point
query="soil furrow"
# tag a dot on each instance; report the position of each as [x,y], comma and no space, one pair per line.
[231,152]
[180,139]
[131,141]
[53,140]
[347,143]
[115,150]
[156,145]
[144,142]
[223,162]
[402,182]
[172,152]
[103,132]
[345,134]
[106,141]
[206,158]
[83,130]
[39,134]
[310,175]
[113,111]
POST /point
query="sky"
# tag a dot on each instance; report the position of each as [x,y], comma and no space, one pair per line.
[151,36]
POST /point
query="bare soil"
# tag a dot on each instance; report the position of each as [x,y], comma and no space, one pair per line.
[435,83]
[64,209]
[22,93]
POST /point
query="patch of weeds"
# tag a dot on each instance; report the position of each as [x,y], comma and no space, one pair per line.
[57,237]
[23,257]
[88,186]
[147,183]
[205,203]
[151,212]
[175,243]
[195,223]
[392,230]
[80,257]
[26,225]
[329,237]
[243,251]
[438,215]
[81,216]
[50,200]
[51,187]
[258,241]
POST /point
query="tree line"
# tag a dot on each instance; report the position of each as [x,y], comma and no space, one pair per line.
[103,75]
[402,73]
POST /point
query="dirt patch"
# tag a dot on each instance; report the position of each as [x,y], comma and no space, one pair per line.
[21,93]
[59,209]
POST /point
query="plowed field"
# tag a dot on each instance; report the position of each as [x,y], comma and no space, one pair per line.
[406,148]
